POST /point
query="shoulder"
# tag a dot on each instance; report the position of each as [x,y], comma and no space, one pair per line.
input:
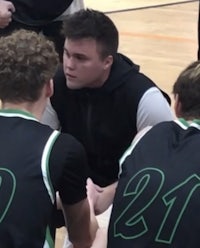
[148,86]
[133,80]
[153,108]
[67,158]
[154,95]
[67,144]
[69,153]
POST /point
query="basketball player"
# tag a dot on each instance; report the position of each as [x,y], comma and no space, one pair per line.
[157,198]
[35,161]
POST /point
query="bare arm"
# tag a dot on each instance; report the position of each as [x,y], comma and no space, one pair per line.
[6,10]
[81,224]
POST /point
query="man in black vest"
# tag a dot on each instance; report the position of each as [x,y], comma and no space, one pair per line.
[44,16]
[100,96]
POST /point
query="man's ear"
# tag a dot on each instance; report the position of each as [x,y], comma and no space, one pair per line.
[108,61]
[177,106]
[49,88]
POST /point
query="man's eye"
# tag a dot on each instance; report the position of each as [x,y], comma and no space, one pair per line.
[81,58]
[66,53]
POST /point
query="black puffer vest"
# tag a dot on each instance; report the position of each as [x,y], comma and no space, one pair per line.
[103,119]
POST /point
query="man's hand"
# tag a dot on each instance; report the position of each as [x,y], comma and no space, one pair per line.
[100,198]
[6,10]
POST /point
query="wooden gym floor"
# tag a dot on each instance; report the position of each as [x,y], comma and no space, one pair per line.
[159,35]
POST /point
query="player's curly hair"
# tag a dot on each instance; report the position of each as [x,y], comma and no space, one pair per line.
[27,61]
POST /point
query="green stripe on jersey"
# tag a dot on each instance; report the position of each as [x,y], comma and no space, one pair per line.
[45,164]
[49,243]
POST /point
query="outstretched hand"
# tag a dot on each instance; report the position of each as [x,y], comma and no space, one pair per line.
[6,10]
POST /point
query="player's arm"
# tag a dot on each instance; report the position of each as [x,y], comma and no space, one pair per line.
[81,224]
[80,219]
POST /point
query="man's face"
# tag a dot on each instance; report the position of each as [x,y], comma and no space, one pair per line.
[83,66]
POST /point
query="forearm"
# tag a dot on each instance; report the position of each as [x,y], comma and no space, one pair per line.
[89,239]
[81,224]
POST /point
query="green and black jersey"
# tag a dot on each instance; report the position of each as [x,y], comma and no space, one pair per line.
[35,163]
[157,200]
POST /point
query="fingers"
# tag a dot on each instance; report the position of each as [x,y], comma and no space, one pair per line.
[6,10]
[91,190]
[89,181]
[11,7]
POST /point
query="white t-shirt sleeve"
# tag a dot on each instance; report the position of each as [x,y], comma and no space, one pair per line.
[152,109]
[50,117]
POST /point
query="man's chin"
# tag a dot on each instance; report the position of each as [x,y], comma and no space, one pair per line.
[73,85]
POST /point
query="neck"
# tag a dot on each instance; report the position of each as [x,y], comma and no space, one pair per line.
[35,108]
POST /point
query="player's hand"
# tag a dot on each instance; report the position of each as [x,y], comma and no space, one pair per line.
[100,198]
[6,10]
[96,197]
